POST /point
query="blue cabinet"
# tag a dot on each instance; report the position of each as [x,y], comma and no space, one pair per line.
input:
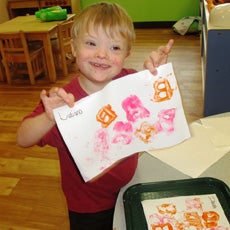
[216,66]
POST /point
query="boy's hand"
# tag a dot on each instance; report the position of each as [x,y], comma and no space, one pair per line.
[158,57]
[55,98]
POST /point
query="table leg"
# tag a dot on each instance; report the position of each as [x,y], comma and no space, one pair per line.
[49,58]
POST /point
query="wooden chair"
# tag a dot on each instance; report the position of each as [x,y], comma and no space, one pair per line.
[19,57]
[63,46]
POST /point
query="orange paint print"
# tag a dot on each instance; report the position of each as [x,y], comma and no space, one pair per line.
[106,116]
[211,219]
[163,90]
[193,220]
[145,132]
[166,226]
[167,209]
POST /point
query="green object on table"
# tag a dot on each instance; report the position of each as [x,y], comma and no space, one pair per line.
[55,15]
[39,12]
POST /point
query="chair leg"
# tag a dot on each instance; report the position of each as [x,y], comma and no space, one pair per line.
[44,64]
[7,71]
[2,71]
[65,70]
[64,65]
[31,73]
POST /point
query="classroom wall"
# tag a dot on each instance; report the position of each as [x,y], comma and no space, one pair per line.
[76,6]
[4,13]
[156,10]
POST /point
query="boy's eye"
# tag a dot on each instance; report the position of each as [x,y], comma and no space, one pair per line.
[116,48]
[90,43]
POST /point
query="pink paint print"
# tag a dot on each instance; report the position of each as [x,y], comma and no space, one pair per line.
[134,109]
[166,120]
[101,144]
[123,133]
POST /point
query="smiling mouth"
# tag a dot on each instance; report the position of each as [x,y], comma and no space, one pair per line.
[98,65]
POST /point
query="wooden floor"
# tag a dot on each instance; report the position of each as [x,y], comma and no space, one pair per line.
[30,192]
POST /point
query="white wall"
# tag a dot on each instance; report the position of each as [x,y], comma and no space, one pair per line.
[4,12]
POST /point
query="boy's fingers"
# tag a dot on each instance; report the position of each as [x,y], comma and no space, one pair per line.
[70,99]
[67,97]
[43,94]
[168,46]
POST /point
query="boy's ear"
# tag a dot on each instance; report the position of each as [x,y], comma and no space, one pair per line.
[73,48]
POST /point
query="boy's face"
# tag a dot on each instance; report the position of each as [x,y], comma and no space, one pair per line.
[99,56]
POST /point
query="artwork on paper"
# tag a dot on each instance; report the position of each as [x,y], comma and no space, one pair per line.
[200,212]
[135,113]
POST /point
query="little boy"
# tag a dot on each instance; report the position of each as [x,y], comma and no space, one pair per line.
[103,35]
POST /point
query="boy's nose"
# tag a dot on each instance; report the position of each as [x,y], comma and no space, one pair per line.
[101,53]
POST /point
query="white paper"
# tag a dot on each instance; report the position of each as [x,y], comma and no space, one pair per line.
[188,212]
[218,130]
[135,113]
[193,156]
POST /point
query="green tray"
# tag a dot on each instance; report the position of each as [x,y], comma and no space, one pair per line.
[134,214]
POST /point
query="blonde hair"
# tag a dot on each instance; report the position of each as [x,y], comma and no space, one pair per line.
[109,16]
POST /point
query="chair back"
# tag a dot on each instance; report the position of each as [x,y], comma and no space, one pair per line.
[64,34]
[20,58]
[64,41]
[14,47]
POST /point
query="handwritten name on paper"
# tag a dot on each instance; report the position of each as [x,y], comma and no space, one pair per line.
[119,121]
[70,115]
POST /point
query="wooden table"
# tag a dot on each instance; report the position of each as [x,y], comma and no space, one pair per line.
[36,30]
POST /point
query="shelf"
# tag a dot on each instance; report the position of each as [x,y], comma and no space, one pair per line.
[17,7]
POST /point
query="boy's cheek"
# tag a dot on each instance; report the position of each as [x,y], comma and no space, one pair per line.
[119,61]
